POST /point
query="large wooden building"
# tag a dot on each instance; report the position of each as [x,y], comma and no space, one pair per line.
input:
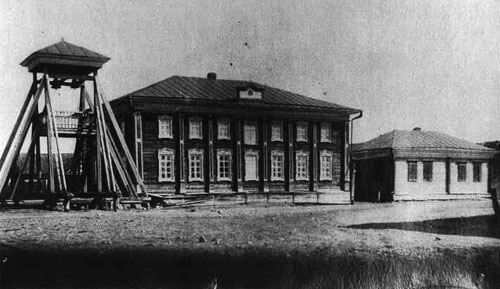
[417,164]
[207,135]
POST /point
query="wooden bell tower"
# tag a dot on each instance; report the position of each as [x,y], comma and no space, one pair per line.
[101,166]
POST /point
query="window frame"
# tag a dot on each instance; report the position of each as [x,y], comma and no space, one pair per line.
[298,137]
[328,127]
[256,155]
[322,175]
[477,175]
[279,169]
[246,138]
[461,177]
[276,125]
[223,122]
[166,152]
[193,121]
[298,155]
[427,175]
[197,152]
[165,133]
[412,175]
[220,153]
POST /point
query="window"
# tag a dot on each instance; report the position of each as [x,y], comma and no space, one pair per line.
[301,131]
[276,131]
[223,165]
[277,165]
[325,165]
[195,128]
[164,126]
[428,171]
[302,161]
[250,131]
[223,129]
[165,165]
[462,172]
[251,166]
[195,165]
[476,171]
[412,172]
[326,132]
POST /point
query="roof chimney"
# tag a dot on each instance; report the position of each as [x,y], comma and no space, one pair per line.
[417,129]
[212,76]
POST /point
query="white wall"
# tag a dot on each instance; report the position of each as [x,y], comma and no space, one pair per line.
[469,186]
[420,187]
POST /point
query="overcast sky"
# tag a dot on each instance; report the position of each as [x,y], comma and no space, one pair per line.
[432,64]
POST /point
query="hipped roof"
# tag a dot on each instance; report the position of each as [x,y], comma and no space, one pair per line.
[420,144]
[182,88]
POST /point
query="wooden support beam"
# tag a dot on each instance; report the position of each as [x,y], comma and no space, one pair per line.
[98,144]
[17,136]
[29,155]
[49,153]
[17,124]
[59,160]
[121,166]
[123,145]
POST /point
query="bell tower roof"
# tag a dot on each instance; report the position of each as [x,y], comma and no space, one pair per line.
[64,57]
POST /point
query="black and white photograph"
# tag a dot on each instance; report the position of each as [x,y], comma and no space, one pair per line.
[250,144]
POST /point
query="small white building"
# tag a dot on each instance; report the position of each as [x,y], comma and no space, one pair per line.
[410,165]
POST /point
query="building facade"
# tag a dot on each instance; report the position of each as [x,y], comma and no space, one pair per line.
[205,135]
[405,165]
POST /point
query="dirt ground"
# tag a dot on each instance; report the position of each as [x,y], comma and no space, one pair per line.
[461,228]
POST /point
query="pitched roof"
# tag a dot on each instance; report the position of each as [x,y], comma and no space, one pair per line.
[62,50]
[421,143]
[196,88]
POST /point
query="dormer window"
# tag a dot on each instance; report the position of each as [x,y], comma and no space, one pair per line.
[250,93]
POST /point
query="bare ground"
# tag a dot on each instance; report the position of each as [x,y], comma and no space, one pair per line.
[414,244]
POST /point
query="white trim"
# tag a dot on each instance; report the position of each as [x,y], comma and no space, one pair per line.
[196,152]
[297,155]
[252,153]
[248,125]
[223,152]
[195,121]
[323,176]
[304,125]
[166,152]
[279,125]
[325,132]
[220,122]
[165,126]
[278,153]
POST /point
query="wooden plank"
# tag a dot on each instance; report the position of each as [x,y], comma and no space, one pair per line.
[49,153]
[122,143]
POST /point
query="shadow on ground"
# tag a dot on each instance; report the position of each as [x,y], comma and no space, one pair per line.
[479,226]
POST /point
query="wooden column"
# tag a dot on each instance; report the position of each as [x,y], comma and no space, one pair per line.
[36,140]
[288,146]
[98,144]
[448,172]
[264,163]
[313,155]
[180,157]
[238,155]
[209,154]
[347,158]
[344,166]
